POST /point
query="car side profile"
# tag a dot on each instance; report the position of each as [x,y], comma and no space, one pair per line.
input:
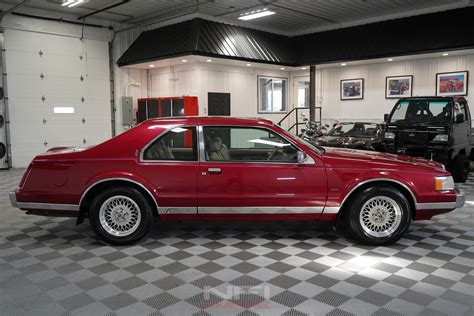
[214,168]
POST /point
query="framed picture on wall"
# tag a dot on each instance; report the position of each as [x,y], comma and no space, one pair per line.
[398,87]
[451,83]
[352,89]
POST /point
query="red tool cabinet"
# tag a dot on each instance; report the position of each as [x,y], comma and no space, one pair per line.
[166,106]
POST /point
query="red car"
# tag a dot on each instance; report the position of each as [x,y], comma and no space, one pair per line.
[213,168]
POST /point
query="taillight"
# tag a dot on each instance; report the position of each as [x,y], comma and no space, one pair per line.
[25,175]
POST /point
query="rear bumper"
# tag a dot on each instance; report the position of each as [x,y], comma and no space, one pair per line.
[460,199]
[13,200]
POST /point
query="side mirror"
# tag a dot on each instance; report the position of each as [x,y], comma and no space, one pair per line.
[459,118]
[302,157]
[385,117]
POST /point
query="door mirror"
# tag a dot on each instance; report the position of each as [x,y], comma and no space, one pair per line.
[459,118]
[385,117]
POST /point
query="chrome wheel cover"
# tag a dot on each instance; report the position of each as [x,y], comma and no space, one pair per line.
[119,216]
[380,216]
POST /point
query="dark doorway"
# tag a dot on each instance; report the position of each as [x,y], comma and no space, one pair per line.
[218,104]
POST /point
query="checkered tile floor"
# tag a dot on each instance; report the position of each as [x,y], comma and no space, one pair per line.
[48,266]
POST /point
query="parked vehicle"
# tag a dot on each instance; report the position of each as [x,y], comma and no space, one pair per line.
[312,130]
[214,168]
[437,128]
[356,135]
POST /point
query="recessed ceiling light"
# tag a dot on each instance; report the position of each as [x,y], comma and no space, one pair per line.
[303,68]
[390,59]
[445,54]
[184,60]
[248,65]
[209,60]
[151,66]
[343,64]
[255,14]
[282,68]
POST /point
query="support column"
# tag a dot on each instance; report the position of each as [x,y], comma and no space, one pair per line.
[312,93]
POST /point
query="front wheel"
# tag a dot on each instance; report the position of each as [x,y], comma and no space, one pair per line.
[460,168]
[379,215]
[120,216]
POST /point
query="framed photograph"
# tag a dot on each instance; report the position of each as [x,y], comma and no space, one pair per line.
[352,89]
[398,87]
[451,83]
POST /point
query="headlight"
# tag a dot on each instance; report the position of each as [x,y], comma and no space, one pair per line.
[444,183]
[389,135]
[441,138]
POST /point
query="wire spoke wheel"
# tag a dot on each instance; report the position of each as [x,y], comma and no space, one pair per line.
[380,216]
[119,216]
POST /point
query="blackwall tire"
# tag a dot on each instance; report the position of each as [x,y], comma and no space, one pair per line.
[379,215]
[460,168]
[120,216]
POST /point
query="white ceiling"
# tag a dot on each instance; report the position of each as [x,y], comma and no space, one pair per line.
[292,16]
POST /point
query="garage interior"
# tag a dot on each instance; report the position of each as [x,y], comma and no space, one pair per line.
[76,73]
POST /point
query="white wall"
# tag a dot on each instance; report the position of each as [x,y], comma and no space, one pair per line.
[374,104]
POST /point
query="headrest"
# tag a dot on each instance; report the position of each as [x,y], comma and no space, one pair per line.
[215,144]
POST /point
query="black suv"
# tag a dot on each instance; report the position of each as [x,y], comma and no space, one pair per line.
[437,128]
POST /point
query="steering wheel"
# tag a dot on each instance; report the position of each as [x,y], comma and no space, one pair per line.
[274,152]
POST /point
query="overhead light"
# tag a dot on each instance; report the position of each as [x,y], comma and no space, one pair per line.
[343,64]
[445,54]
[209,60]
[255,14]
[151,66]
[184,60]
[282,68]
[390,59]
[73,3]
[248,65]
[303,68]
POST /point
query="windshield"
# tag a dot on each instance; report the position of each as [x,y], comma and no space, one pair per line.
[423,111]
[317,149]
[354,130]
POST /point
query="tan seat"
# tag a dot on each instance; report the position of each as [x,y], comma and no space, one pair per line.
[217,150]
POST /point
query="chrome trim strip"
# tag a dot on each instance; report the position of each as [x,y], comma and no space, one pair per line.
[260,210]
[379,179]
[117,179]
[13,200]
[460,199]
[435,206]
[47,206]
[331,209]
[170,210]
[201,145]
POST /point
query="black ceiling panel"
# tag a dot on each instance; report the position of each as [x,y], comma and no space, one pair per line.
[433,32]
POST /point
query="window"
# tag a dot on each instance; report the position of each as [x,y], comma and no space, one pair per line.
[303,94]
[459,113]
[178,144]
[247,144]
[421,111]
[272,94]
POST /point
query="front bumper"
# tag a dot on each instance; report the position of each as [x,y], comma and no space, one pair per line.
[13,200]
[460,199]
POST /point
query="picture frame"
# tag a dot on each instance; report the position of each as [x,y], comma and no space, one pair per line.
[352,89]
[452,83]
[398,86]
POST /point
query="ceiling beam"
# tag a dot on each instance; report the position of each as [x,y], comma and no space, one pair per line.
[103,9]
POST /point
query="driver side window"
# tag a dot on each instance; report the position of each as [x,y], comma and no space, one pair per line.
[245,144]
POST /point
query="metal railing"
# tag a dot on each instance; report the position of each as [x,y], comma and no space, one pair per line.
[298,123]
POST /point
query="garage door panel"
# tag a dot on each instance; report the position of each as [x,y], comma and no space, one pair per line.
[97,49]
[47,43]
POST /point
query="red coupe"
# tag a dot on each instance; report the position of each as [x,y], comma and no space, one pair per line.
[213,168]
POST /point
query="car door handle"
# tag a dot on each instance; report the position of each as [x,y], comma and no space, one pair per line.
[214,170]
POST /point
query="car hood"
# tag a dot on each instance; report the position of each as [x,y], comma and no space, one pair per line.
[352,158]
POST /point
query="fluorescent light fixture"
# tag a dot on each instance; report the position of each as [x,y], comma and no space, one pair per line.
[390,59]
[343,64]
[73,3]
[63,109]
[303,68]
[209,60]
[184,60]
[445,54]
[248,65]
[151,66]
[255,14]
[282,68]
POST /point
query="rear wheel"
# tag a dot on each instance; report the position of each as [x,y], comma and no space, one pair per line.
[120,216]
[460,168]
[378,215]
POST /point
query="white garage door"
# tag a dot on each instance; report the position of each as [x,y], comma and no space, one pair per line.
[47,74]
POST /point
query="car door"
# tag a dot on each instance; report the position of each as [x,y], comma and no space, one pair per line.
[461,126]
[170,161]
[255,171]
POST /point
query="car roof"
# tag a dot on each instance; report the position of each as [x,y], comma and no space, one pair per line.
[209,120]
